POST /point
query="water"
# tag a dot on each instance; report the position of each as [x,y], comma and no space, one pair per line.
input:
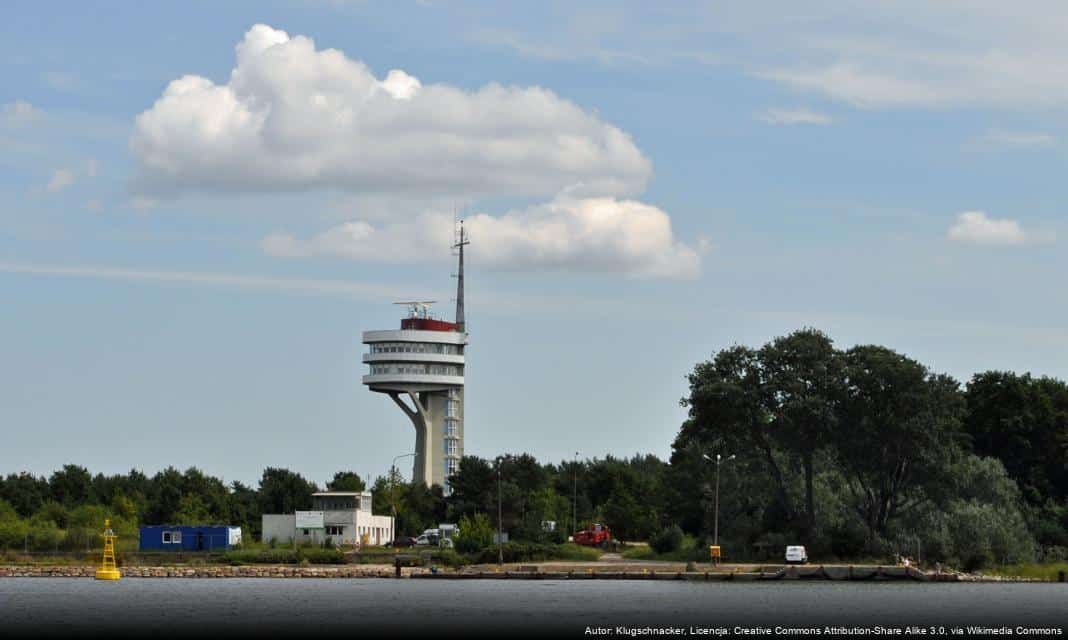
[313,607]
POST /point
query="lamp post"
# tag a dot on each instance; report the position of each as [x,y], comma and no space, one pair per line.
[500,541]
[718,460]
[574,495]
[393,499]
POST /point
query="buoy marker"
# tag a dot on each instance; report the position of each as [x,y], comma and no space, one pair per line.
[108,570]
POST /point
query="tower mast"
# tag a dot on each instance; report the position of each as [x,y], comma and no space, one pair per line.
[460,322]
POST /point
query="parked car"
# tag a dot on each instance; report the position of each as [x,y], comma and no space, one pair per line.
[403,541]
[428,540]
[796,554]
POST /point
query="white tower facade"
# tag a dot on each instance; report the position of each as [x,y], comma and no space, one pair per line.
[421,368]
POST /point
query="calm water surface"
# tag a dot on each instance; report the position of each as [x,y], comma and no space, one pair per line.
[143,606]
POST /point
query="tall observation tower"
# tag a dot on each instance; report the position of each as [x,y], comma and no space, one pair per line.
[421,367]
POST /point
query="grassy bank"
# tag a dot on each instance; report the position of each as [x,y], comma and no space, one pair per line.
[257,554]
[1032,570]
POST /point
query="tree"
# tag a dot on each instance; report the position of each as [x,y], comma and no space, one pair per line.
[283,491]
[802,377]
[897,430]
[1022,421]
[25,492]
[476,533]
[164,493]
[192,510]
[474,488]
[346,481]
[71,485]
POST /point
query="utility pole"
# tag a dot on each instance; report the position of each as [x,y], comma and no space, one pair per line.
[393,499]
[500,540]
[574,495]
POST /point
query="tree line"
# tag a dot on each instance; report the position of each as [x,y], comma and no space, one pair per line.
[855,453]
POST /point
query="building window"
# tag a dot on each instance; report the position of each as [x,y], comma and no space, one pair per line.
[305,532]
[172,537]
[335,531]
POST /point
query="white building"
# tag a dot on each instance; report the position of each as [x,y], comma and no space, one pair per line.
[424,362]
[344,517]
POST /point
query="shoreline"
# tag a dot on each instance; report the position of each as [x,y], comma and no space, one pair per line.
[821,573]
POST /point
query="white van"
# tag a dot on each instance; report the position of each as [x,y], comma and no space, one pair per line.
[796,555]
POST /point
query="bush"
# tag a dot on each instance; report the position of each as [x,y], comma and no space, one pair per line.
[322,556]
[667,540]
[260,556]
[535,552]
[476,533]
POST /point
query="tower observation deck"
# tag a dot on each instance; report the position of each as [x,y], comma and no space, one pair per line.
[421,368]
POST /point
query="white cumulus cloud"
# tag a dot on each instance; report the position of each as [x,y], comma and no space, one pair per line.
[295,117]
[604,234]
[977,228]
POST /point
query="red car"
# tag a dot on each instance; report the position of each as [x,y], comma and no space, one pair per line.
[594,535]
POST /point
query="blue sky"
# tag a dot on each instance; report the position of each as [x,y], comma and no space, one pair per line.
[191,241]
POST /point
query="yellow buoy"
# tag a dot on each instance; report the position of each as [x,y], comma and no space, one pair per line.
[107,570]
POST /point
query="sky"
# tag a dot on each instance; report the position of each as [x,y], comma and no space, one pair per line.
[203,205]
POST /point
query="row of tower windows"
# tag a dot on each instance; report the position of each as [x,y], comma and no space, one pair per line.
[421,369]
[417,347]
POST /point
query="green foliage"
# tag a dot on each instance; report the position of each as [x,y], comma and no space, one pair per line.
[476,533]
[311,555]
[667,540]
[192,510]
[261,556]
[534,552]
[346,481]
[283,491]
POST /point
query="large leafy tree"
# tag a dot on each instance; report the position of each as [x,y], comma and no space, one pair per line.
[346,481]
[71,485]
[779,402]
[283,491]
[1023,421]
[730,410]
[25,492]
[898,430]
[802,378]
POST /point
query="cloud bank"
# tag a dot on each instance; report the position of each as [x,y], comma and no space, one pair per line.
[294,117]
[601,235]
[977,228]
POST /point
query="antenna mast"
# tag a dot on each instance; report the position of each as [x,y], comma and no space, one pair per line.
[460,323]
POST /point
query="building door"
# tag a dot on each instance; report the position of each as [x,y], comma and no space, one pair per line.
[200,540]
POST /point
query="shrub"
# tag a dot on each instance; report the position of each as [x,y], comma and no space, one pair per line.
[667,540]
[322,556]
[260,556]
[476,533]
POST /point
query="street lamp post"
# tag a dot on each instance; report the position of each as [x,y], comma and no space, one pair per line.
[574,495]
[393,499]
[715,526]
[500,541]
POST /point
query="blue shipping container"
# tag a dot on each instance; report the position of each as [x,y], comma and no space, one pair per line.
[181,537]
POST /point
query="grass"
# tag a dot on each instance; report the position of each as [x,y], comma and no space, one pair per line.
[687,551]
[1036,570]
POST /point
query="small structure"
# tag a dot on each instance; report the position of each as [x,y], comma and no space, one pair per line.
[343,517]
[108,570]
[184,537]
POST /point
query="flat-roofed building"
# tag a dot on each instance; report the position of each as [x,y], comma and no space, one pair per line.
[343,517]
